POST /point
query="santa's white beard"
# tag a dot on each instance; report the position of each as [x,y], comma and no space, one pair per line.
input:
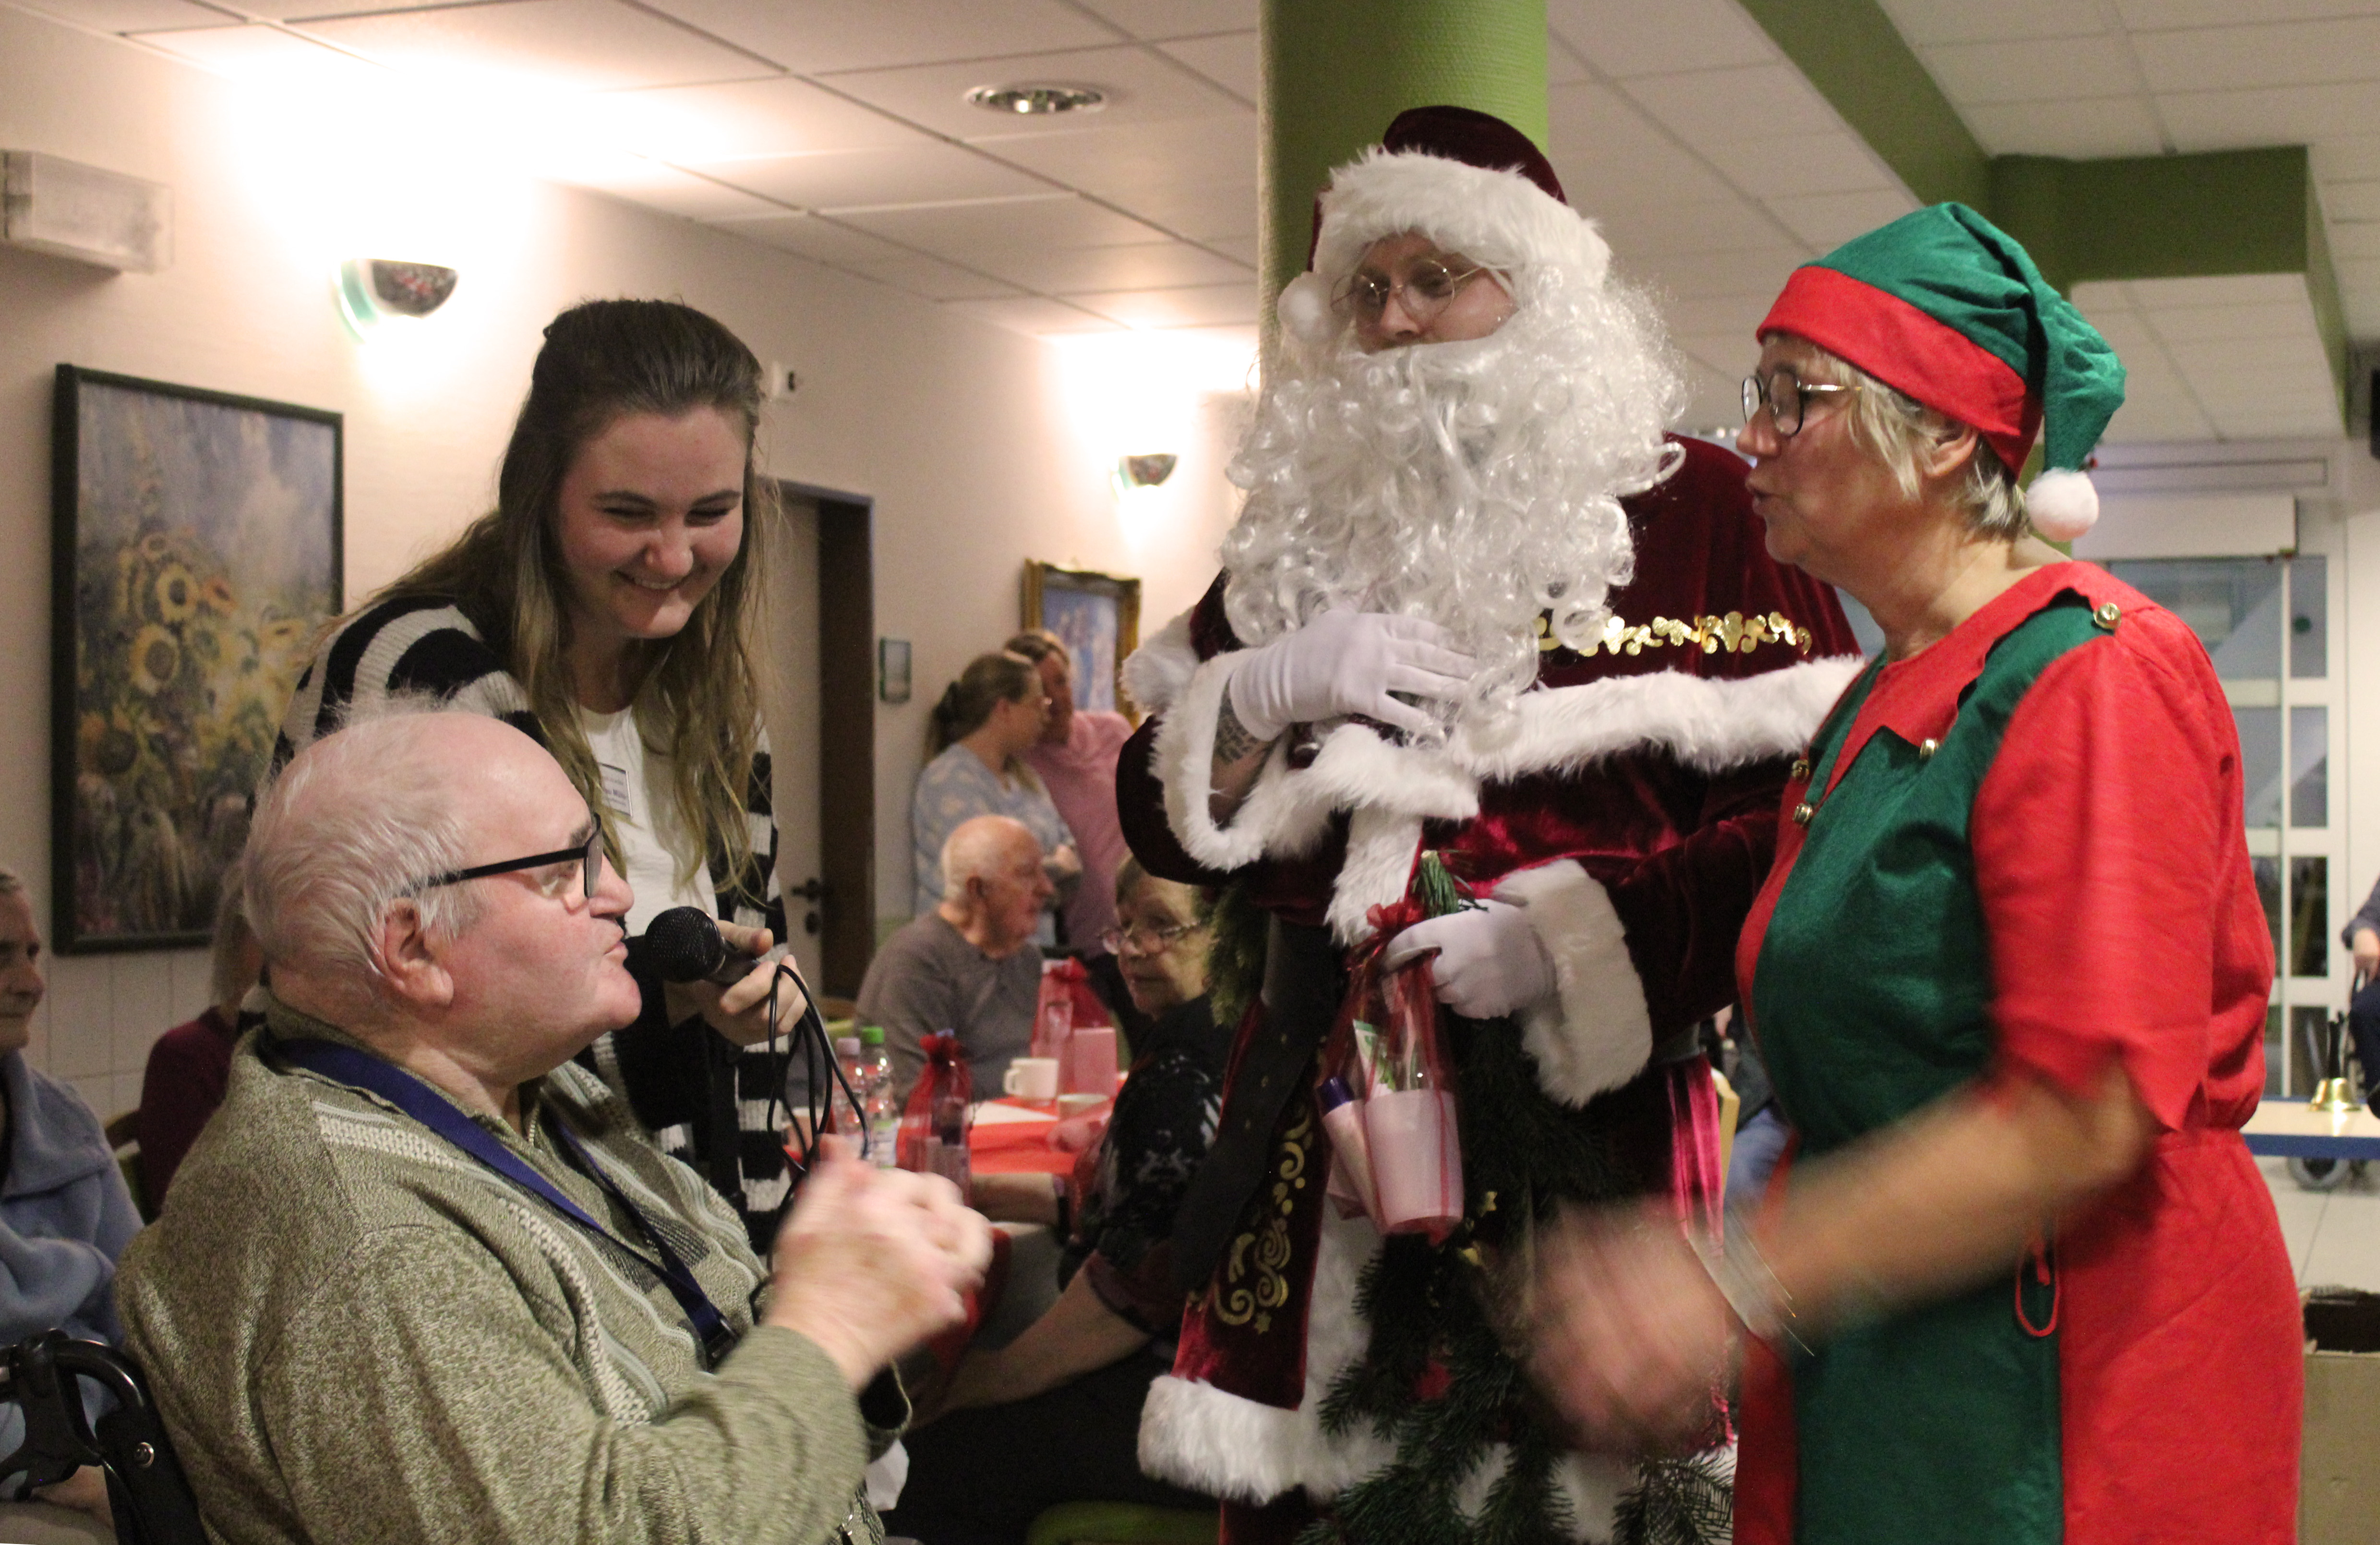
[1476,484]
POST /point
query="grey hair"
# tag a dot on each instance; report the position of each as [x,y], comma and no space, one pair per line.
[226,975]
[349,827]
[1899,429]
[974,845]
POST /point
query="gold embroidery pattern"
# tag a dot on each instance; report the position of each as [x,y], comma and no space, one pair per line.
[1733,634]
[1237,1300]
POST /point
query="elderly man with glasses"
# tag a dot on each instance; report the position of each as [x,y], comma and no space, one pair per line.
[1479,604]
[425,1278]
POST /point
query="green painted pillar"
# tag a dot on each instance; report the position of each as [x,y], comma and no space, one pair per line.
[1336,71]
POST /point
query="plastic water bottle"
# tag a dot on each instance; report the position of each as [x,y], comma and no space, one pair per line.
[874,1087]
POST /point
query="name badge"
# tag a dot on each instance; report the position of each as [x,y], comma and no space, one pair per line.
[615,789]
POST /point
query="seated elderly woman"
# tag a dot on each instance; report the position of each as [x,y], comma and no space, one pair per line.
[65,1213]
[2009,972]
[1054,1416]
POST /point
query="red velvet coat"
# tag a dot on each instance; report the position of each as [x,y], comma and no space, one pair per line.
[1652,763]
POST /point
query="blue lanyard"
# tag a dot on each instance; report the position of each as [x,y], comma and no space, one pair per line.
[361,1070]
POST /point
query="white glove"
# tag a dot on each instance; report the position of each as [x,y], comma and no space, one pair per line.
[1347,662]
[1490,962]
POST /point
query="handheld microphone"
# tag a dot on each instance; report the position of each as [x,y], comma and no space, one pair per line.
[683,944]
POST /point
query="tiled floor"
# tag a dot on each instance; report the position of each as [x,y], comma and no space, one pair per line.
[2334,1236]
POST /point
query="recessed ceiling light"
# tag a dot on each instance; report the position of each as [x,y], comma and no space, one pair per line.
[1037,101]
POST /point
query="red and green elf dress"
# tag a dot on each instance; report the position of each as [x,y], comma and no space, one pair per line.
[2019,853]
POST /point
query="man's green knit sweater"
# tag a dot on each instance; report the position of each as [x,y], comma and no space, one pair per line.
[355,1332]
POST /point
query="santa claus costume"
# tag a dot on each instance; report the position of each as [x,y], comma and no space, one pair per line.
[1648,675]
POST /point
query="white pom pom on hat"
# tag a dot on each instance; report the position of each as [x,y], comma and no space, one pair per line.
[2062,504]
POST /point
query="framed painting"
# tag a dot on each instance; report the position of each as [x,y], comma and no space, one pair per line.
[196,550]
[1099,617]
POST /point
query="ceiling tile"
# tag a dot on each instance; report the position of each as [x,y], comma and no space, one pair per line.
[2351,200]
[933,278]
[2358,239]
[1120,159]
[2221,289]
[263,55]
[1719,226]
[129,15]
[1837,162]
[1718,106]
[666,188]
[2145,15]
[284,10]
[1207,213]
[2046,70]
[1243,247]
[2348,155]
[1721,354]
[1209,306]
[1229,61]
[959,231]
[1628,37]
[1607,152]
[1728,316]
[1563,66]
[2268,53]
[2094,127]
[2212,359]
[928,172]
[2359,283]
[1925,22]
[2283,116]
[2204,323]
[544,44]
[1695,276]
[1083,270]
[689,124]
[1177,19]
[1141,87]
[1034,314]
[2169,416]
[812,36]
[1828,220]
[814,236]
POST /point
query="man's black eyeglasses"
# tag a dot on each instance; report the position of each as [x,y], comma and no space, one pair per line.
[589,855]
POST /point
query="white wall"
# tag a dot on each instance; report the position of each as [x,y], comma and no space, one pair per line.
[970,440]
[2352,514]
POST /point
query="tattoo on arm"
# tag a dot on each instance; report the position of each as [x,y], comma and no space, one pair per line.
[1234,741]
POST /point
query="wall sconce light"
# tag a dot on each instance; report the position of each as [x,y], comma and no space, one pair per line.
[375,290]
[1144,471]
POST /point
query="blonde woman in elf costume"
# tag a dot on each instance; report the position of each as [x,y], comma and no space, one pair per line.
[1459,491]
[2008,975]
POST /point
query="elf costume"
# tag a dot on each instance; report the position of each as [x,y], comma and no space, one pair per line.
[1327,1384]
[2017,854]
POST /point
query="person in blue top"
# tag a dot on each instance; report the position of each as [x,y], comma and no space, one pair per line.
[65,1213]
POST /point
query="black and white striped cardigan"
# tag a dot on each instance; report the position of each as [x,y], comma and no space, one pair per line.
[709,1103]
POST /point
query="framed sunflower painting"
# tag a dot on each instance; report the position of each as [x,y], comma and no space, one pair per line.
[196,552]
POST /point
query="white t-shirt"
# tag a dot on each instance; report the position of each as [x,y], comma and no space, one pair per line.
[645,819]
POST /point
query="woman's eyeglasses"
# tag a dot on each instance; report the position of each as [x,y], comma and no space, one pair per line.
[1144,939]
[1427,288]
[1787,397]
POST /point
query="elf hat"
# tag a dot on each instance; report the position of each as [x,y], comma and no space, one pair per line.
[1469,181]
[1945,307]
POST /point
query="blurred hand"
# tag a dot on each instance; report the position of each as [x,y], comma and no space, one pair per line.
[1064,867]
[740,1013]
[2367,954]
[1348,662]
[85,1490]
[1490,962]
[873,1261]
[1631,1340]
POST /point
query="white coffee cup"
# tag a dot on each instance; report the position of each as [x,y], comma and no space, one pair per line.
[1031,1078]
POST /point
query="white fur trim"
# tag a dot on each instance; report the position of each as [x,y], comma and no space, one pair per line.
[1156,673]
[2062,504]
[1597,1032]
[1196,1436]
[1498,218]
[1303,308]
[1711,726]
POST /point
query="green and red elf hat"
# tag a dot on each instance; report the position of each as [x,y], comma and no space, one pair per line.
[1945,307]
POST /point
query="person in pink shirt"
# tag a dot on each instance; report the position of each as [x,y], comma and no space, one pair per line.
[1076,762]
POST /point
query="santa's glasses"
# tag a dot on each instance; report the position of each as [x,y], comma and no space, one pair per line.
[1425,288]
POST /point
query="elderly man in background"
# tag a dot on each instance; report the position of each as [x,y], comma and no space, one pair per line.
[429,1279]
[970,965]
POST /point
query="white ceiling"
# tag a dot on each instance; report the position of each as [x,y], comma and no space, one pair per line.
[838,130]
